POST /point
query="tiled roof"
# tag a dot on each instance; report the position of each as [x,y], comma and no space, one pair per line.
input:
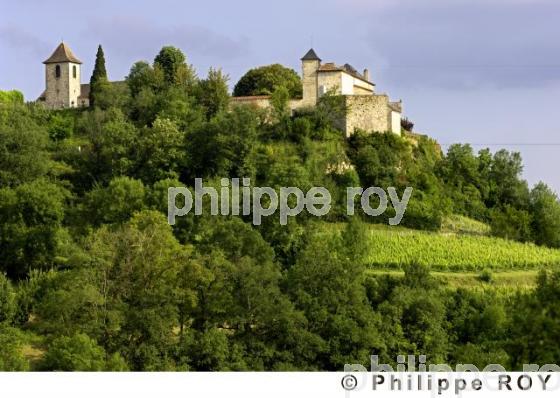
[62,54]
[350,69]
[331,67]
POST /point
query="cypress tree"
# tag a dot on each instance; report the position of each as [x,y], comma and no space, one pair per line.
[99,76]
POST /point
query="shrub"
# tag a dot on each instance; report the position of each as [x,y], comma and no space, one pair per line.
[407,124]
[486,276]
[76,353]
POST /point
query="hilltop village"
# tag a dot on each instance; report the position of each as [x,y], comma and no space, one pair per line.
[365,109]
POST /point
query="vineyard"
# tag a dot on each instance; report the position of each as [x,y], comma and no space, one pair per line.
[390,248]
[393,247]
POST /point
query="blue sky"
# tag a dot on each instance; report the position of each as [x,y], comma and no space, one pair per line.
[485,72]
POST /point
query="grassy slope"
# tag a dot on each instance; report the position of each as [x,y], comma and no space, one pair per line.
[464,225]
[508,280]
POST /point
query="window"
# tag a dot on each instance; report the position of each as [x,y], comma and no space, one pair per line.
[74,73]
[57,71]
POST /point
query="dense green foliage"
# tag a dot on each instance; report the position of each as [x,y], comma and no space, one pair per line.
[92,276]
[266,79]
[12,96]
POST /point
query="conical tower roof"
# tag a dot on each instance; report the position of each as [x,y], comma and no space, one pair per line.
[311,56]
[62,54]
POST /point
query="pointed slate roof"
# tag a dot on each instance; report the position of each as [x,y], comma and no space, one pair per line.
[311,56]
[62,54]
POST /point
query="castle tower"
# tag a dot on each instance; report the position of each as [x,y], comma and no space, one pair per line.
[62,77]
[310,63]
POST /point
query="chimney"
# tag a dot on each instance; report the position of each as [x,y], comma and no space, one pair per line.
[366,74]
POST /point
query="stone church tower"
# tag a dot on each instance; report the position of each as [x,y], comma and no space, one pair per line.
[310,64]
[62,76]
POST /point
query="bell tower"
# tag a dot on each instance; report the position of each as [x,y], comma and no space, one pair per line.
[310,63]
[62,77]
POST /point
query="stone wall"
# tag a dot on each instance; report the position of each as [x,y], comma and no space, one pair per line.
[370,113]
[330,81]
[263,102]
[259,101]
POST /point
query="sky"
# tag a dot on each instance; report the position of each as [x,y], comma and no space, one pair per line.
[485,72]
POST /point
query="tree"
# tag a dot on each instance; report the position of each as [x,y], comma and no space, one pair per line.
[7,300]
[30,226]
[11,350]
[413,315]
[142,76]
[109,150]
[241,296]
[23,147]
[460,172]
[76,353]
[377,157]
[160,151]
[137,268]
[265,79]
[279,100]
[545,214]
[11,97]
[224,145]
[326,283]
[536,314]
[212,92]
[172,61]
[510,223]
[99,70]
[506,185]
[99,82]
[156,94]
[116,203]
[61,126]
[210,350]
[478,325]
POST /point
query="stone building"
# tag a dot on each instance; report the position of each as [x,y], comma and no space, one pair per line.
[365,109]
[63,88]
